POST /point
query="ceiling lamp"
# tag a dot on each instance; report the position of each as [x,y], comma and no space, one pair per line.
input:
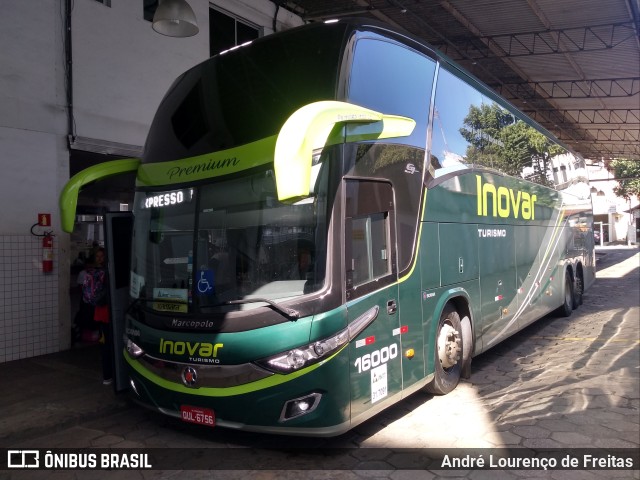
[175,18]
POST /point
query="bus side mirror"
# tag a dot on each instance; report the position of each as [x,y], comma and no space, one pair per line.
[69,196]
[313,126]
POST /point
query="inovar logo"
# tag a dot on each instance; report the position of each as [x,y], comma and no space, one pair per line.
[203,350]
[505,201]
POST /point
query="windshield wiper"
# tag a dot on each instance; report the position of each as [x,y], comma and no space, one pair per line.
[290,313]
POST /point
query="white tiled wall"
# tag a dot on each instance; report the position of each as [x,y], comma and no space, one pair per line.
[28,299]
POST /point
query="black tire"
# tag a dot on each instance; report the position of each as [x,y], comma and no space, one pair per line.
[567,294]
[578,289]
[448,353]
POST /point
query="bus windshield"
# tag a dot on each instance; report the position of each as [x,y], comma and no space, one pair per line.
[197,249]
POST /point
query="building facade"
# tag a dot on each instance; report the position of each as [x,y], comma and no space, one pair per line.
[80,82]
[615,219]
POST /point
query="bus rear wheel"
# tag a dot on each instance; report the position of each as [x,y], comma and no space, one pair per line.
[448,353]
[567,305]
[578,289]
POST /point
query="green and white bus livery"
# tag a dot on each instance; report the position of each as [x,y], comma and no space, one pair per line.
[331,218]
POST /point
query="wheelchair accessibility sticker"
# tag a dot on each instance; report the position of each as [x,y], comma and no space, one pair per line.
[205,282]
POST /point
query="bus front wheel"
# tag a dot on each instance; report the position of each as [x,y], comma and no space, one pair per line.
[448,353]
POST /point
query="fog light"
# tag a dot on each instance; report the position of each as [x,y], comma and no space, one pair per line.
[300,406]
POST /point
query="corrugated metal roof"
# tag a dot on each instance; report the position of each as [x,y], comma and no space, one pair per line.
[532,47]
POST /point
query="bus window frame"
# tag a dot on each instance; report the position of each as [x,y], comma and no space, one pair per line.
[373,194]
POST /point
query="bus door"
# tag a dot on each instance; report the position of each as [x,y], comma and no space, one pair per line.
[372,293]
[118,229]
[496,246]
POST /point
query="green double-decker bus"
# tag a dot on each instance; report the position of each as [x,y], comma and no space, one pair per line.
[331,218]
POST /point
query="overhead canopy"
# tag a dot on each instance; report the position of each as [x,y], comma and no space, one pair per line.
[571,65]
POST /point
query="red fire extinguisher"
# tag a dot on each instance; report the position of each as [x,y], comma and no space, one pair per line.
[47,253]
[44,220]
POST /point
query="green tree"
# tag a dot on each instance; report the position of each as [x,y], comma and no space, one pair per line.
[483,128]
[542,150]
[628,171]
[517,148]
[496,139]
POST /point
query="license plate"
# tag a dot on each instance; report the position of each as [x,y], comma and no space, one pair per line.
[201,416]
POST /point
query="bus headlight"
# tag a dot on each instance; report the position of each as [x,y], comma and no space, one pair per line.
[297,358]
[132,349]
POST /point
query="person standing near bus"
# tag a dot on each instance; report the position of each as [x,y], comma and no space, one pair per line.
[95,292]
[83,320]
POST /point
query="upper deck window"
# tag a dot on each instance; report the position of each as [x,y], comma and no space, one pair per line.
[393,79]
[472,128]
[246,94]
[454,100]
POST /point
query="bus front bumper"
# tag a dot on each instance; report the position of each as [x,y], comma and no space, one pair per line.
[311,402]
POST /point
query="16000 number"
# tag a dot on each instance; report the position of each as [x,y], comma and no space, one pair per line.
[375,358]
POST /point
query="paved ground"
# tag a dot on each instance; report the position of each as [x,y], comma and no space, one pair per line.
[562,383]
